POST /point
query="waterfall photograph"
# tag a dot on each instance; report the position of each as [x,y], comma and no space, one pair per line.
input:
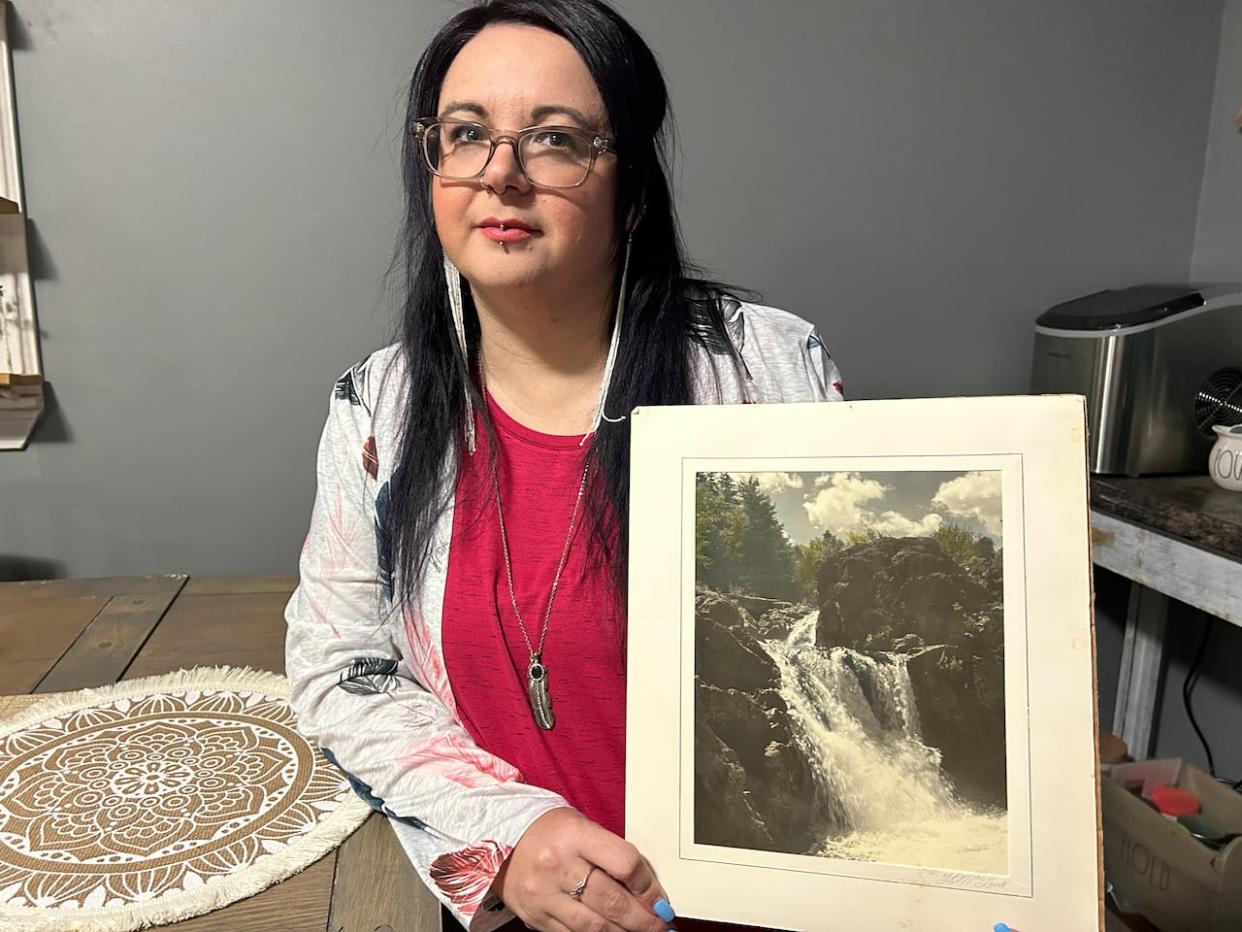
[849,666]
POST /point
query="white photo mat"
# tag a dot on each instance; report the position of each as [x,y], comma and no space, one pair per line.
[1037,446]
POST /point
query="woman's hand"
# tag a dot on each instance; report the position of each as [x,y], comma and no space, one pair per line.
[552,858]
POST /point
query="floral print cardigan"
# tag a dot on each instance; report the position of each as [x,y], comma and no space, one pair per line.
[367,678]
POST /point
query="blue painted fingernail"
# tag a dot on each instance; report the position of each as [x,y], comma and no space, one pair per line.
[663,910]
[1001,927]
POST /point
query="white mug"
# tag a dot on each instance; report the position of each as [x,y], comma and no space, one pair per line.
[1225,460]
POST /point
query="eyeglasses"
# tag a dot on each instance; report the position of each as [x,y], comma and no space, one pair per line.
[550,156]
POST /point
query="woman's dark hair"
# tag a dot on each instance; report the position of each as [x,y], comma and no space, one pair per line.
[667,310]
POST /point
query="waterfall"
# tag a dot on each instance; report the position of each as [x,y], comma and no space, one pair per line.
[882,792]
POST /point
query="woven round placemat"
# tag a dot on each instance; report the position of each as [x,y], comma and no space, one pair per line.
[158,799]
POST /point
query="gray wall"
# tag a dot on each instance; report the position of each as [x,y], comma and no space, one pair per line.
[213,190]
[214,195]
[1218,236]
[961,166]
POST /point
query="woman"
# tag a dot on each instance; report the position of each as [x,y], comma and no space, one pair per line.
[456,643]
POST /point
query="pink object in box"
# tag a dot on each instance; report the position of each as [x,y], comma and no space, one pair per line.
[1173,801]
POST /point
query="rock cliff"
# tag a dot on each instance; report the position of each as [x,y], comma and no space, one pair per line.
[908,595]
[757,786]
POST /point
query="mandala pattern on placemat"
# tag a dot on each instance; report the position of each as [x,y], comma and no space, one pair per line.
[149,792]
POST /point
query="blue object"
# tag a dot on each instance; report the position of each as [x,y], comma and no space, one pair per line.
[665,912]
[1001,927]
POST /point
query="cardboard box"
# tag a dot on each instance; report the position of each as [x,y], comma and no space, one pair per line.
[1159,869]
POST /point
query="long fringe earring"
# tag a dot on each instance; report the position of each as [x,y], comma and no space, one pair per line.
[453,277]
[611,362]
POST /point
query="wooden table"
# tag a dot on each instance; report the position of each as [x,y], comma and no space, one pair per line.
[69,634]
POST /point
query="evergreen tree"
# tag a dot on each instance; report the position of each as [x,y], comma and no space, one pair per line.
[739,543]
[767,554]
[719,523]
[809,557]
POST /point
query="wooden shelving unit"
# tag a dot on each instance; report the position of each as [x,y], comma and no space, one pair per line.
[21,371]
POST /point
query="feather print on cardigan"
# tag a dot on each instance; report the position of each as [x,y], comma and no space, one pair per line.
[465,876]
[363,792]
[382,545]
[370,459]
[345,389]
[369,675]
[460,761]
[352,386]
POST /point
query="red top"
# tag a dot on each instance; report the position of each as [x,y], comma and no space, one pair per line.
[583,756]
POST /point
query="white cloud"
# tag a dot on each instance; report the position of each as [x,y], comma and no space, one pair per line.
[838,505]
[893,524]
[843,502]
[974,495]
[772,481]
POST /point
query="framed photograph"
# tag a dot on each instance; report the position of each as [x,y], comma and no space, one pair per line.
[861,656]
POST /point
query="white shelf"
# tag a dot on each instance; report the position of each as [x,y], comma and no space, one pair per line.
[21,372]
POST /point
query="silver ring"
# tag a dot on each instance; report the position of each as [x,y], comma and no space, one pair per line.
[576,892]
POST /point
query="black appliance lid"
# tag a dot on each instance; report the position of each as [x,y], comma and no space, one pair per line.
[1127,307]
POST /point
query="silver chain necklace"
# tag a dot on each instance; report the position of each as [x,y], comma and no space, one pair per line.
[536,672]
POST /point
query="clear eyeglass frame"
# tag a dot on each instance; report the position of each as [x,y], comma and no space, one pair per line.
[596,144]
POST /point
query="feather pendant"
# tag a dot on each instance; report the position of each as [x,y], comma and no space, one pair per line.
[537,688]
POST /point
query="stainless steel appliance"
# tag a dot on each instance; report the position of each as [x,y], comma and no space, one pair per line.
[1159,365]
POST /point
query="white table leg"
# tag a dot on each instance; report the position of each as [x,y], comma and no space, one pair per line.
[1142,664]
